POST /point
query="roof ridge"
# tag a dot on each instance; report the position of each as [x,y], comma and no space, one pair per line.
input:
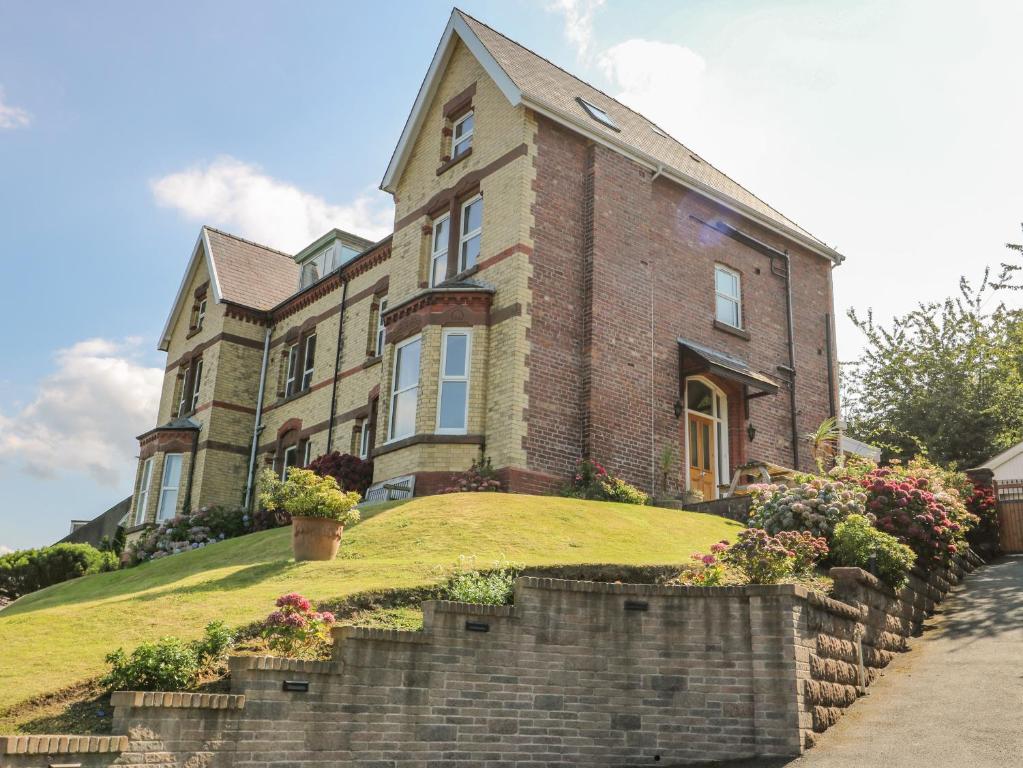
[697,156]
[249,242]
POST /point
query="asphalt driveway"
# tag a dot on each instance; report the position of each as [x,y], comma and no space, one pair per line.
[955,700]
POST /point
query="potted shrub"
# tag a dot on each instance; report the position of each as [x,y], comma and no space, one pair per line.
[319,510]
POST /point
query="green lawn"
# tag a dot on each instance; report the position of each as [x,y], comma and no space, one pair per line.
[58,637]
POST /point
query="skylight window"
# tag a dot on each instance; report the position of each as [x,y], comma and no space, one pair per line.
[658,131]
[598,114]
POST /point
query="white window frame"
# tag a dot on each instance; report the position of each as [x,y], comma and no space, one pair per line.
[395,391]
[364,440]
[292,450]
[736,300]
[381,331]
[307,372]
[448,333]
[196,381]
[465,237]
[291,372]
[465,138]
[142,500]
[307,454]
[441,253]
[161,514]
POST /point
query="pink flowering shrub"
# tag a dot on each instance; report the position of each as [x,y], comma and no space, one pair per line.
[908,509]
[816,505]
[478,477]
[295,629]
[984,506]
[709,571]
[592,481]
[807,550]
[759,556]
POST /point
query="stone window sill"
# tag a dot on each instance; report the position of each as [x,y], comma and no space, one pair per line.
[291,397]
[448,164]
[731,329]
[427,439]
[372,360]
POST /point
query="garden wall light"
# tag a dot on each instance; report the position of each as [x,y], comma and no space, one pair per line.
[751,431]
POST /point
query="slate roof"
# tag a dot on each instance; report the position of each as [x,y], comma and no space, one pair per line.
[545,83]
[250,274]
[104,525]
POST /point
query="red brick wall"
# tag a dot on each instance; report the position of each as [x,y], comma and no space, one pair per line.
[609,304]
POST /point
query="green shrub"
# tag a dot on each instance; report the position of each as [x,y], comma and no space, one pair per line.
[760,557]
[306,494]
[27,570]
[592,481]
[168,664]
[856,543]
[470,585]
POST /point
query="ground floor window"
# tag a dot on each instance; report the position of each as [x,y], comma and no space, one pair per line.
[142,501]
[405,389]
[169,487]
[453,398]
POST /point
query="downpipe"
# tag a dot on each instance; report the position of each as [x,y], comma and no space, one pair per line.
[257,427]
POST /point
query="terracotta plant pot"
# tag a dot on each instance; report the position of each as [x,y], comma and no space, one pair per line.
[315,538]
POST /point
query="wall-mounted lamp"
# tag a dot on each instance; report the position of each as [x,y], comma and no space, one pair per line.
[678,409]
[751,431]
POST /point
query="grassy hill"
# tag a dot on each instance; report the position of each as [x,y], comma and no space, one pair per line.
[58,636]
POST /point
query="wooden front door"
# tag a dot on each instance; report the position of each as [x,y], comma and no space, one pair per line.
[702,456]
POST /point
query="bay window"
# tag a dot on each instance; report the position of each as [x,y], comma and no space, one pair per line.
[453,397]
[196,380]
[142,500]
[405,389]
[169,486]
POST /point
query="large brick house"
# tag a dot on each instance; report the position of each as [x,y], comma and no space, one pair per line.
[564,279]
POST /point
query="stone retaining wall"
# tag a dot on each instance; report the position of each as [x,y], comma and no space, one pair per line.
[575,673]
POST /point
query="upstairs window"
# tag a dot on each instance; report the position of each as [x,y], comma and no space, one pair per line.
[728,296]
[310,361]
[598,114]
[405,389]
[200,315]
[196,380]
[453,398]
[461,135]
[168,505]
[292,373]
[142,500]
[472,229]
[379,348]
[439,250]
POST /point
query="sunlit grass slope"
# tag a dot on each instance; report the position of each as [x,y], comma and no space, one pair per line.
[59,636]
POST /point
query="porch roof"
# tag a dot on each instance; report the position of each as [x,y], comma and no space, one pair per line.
[695,358]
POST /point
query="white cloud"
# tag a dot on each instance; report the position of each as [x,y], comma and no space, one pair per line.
[11,116]
[242,198]
[5,550]
[85,414]
[662,81]
[578,15]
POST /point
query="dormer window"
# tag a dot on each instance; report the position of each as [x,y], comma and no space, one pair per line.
[598,114]
[461,135]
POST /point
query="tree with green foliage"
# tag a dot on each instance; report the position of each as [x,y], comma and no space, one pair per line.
[945,379]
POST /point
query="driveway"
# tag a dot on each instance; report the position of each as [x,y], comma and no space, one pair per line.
[956,699]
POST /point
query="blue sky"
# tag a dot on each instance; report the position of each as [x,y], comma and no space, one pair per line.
[887,129]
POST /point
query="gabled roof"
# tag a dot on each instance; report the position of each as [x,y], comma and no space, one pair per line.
[100,527]
[241,272]
[526,78]
[996,461]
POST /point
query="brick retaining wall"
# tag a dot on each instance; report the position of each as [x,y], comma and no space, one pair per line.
[575,673]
